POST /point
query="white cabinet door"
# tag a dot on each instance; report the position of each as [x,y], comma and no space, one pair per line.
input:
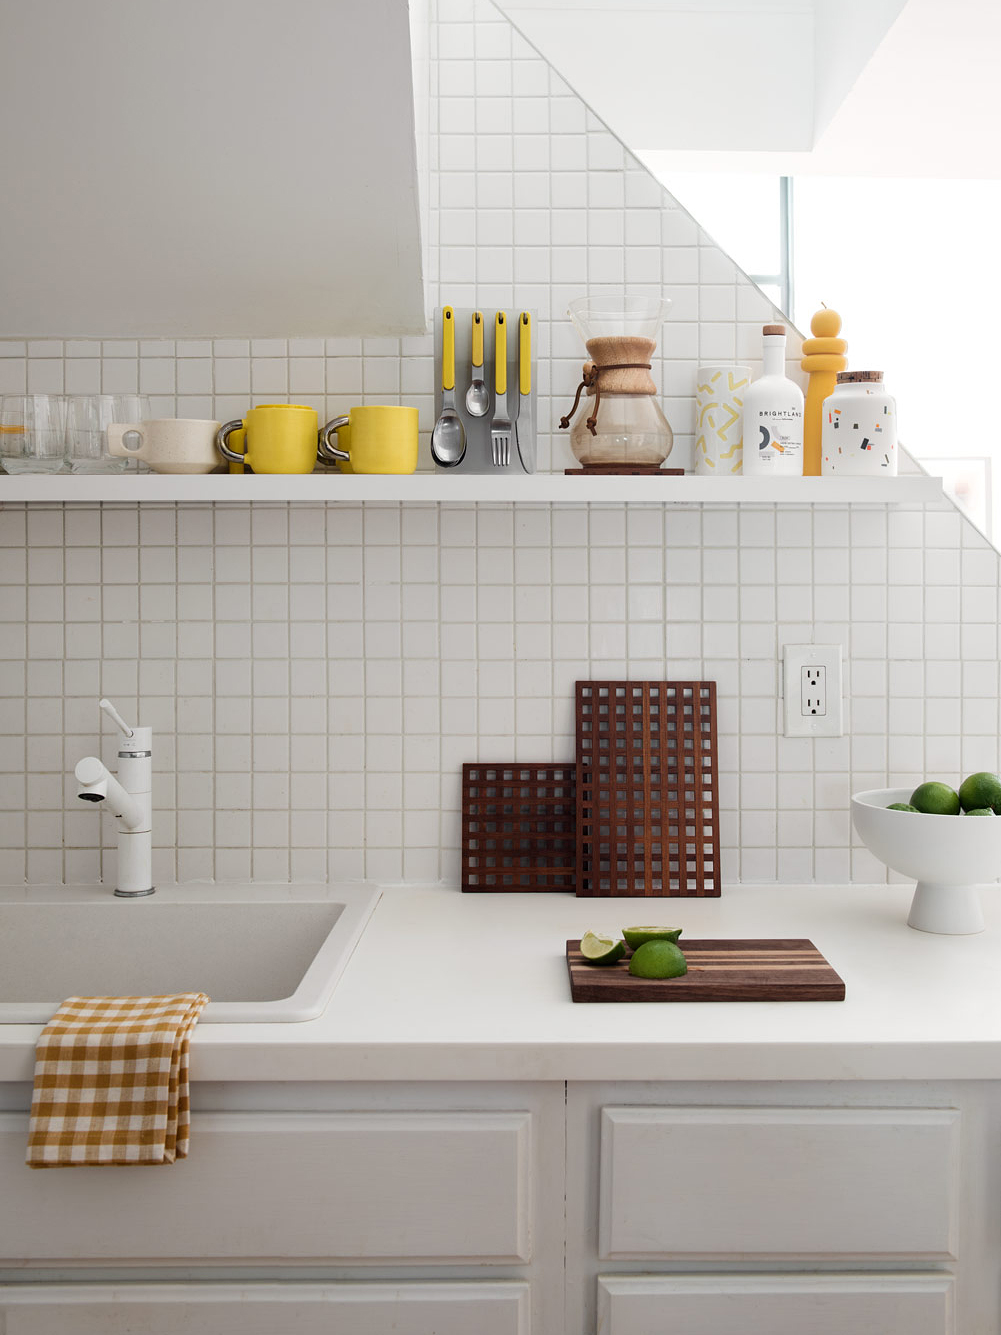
[409,1186]
[265,1309]
[762,1181]
[776,1305]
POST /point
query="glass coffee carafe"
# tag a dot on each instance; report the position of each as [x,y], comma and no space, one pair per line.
[624,424]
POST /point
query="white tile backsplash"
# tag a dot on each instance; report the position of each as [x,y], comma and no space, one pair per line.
[316,675]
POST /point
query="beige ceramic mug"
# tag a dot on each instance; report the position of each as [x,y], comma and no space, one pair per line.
[167,444]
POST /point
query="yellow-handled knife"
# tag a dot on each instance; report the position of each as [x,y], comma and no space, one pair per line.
[523,433]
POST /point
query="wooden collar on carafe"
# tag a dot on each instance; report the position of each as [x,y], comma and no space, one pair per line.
[603,350]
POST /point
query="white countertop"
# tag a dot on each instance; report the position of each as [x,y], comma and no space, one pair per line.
[451,986]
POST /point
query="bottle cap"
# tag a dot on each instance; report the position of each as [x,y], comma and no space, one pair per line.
[859,377]
[774,329]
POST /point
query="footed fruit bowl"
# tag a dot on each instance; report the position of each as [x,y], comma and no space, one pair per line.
[948,856]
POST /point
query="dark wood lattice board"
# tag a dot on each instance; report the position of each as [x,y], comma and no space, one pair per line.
[518,827]
[647,789]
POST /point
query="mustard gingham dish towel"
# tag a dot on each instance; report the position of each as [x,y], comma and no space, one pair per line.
[111,1081]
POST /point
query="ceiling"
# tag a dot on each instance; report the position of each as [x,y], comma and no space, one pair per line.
[839,87]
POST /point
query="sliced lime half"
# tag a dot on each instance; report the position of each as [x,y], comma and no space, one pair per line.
[635,936]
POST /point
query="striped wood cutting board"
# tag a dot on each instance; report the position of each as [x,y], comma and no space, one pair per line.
[753,970]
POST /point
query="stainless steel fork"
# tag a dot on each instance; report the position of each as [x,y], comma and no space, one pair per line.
[500,427]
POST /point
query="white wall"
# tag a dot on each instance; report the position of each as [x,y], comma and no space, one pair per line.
[316,675]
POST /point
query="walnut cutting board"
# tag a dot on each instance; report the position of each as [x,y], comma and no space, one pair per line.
[752,970]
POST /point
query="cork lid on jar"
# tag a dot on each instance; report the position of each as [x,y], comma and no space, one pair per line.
[773,329]
[859,377]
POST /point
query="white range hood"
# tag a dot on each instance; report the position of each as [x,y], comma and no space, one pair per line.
[228,167]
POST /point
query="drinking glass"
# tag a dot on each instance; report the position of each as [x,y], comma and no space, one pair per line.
[133,408]
[88,419]
[33,433]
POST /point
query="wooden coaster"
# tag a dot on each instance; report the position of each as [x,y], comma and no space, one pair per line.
[623,470]
[518,827]
[647,789]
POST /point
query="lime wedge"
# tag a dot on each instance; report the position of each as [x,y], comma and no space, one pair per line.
[635,936]
[601,949]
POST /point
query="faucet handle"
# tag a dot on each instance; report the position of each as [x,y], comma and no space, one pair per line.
[114,715]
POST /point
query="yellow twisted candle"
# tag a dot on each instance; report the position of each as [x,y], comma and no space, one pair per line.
[823,357]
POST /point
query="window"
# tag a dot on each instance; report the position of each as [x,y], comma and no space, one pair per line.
[750,218]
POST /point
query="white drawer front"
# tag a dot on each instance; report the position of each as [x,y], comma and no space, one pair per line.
[763,1181]
[264,1309]
[777,1304]
[354,1186]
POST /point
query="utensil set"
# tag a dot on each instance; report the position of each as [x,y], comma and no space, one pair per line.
[484,406]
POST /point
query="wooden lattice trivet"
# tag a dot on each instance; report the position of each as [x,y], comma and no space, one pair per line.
[518,827]
[647,790]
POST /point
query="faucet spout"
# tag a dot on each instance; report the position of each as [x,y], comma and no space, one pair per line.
[98,784]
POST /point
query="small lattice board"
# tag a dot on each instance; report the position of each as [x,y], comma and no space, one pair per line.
[647,790]
[518,827]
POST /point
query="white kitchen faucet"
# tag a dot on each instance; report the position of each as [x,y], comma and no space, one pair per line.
[131,801]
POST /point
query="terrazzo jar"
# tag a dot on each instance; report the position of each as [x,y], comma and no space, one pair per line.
[859,427]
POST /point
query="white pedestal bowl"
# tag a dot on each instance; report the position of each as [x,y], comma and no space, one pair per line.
[948,856]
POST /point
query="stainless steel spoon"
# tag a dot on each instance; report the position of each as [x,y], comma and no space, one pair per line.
[477,395]
[448,438]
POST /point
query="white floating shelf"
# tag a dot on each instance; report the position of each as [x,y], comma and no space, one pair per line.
[431,488]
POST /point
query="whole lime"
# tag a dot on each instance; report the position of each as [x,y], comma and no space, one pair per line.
[936,799]
[979,811]
[901,806]
[981,790]
[657,959]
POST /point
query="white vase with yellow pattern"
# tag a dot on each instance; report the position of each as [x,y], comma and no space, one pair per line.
[719,402]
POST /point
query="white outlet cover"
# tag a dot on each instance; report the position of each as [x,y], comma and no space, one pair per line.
[795,658]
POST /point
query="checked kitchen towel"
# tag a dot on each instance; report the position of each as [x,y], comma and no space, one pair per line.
[111,1081]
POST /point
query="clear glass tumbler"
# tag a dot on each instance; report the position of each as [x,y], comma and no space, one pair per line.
[33,433]
[88,417]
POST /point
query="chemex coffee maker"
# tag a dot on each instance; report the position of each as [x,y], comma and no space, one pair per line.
[624,428]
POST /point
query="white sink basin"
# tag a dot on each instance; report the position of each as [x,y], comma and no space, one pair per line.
[263,953]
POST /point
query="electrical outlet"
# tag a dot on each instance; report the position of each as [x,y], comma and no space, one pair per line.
[812,689]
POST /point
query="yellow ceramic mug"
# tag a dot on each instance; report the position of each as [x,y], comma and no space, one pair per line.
[280,438]
[379,438]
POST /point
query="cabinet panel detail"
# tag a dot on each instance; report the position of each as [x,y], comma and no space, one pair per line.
[766,1181]
[779,1304]
[263,1309]
[413,1186]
